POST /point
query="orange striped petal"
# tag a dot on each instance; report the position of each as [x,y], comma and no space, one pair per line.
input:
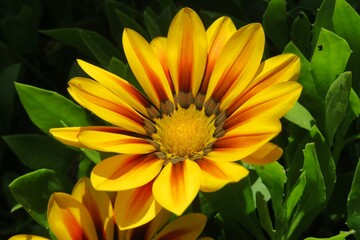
[118,86]
[158,223]
[281,68]
[115,142]
[187,51]
[69,219]
[146,67]
[27,237]
[99,100]
[266,154]
[273,102]
[177,185]
[136,207]
[123,172]
[236,64]
[215,175]
[159,45]
[244,139]
[185,227]
[99,206]
[217,35]
[70,135]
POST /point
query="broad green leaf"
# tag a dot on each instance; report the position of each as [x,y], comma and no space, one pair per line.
[347,25]
[88,42]
[165,18]
[152,25]
[300,116]
[48,109]
[34,189]
[336,104]
[129,22]
[313,198]
[38,151]
[301,33]
[354,103]
[274,177]
[340,236]
[329,60]
[264,215]
[292,199]
[7,92]
[323,20]
[275,23]
[235,202]
[353,206]
[308,94]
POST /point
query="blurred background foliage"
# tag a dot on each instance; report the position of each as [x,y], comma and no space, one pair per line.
[319,195]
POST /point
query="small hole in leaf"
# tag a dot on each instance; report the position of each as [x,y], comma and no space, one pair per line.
[320,47]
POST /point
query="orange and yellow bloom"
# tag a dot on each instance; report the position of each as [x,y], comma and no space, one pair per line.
[209,102]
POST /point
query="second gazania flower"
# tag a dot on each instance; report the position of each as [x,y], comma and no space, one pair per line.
[210,102]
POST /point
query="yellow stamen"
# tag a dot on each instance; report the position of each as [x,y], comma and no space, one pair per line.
[185,133]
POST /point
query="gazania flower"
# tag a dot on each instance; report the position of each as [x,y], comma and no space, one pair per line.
[85,214]
[209,102]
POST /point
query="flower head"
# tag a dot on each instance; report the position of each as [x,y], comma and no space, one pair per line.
[209,102]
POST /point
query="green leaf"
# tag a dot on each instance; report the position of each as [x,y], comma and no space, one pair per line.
[37,151]
[129,22]
[48,109]
[274,177]
[33,191]
[312,200]
[7,92]
[301,33]
[353,206]
[300,116]
[264,215]
[152,25]
[235,203]
[323,20]
[354,103]
[275,23]
[340,236]
[88,42]
[347,25]
[329,60]
[336,104]
[123,70]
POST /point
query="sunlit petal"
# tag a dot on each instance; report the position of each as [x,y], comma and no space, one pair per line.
[266,154]
[123,172]
[99,206]
[27,237]
[215,175]
[135,207]
[146,67]
[158,223]
[118,86]
[177,185]
[69,219]
[185,227]
[187,52]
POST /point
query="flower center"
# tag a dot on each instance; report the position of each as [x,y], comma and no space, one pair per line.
[184,134]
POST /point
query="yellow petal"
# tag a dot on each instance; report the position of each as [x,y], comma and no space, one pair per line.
[159,45]
[185,227]
[266,154]
[123,172]
[272,102]
[118,86]
[99,206]
[244,139]
[115,142]
[217,35]
[69,219]
[99,100]
[136,207]
[281,68]
[158,223]
[70,135]
[237,64]
[215,175]
[187,51]
[27,237]
[146,67]
[177,185]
